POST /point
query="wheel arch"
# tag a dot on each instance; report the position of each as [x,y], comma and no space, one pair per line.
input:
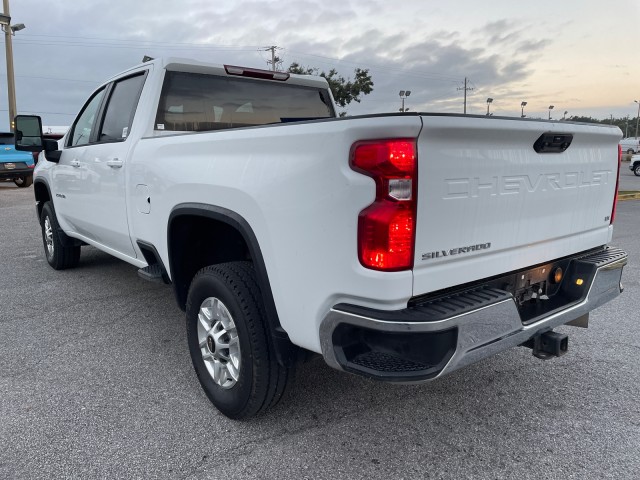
[42,193]
[233,227]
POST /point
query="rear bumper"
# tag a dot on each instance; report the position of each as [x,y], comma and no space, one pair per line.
[437,337]
[17,173]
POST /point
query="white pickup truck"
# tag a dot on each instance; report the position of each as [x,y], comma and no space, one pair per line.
[400,247]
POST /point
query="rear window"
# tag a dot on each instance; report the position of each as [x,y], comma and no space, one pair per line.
[199,102]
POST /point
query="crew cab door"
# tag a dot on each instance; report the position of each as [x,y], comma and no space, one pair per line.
[90,179]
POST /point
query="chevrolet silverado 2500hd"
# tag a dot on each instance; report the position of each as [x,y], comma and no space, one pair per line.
[400,247]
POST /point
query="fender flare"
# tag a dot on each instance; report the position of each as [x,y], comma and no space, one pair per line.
[38,181]
[286,352]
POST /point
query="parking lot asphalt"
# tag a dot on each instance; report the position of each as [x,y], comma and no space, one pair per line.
[628,181]
[96,382]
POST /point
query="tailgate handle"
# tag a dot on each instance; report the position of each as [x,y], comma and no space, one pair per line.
[553,142]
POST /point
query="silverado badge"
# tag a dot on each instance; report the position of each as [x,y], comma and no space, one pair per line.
[456,251]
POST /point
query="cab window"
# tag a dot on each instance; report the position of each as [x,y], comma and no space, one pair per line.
[121,108]
[81,129]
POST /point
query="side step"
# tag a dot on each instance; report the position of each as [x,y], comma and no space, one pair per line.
[153,273]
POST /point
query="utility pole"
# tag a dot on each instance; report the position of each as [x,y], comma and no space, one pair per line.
[275,61]
[11,86]
[465,93]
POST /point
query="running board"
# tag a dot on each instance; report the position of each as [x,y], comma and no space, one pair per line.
[153,273]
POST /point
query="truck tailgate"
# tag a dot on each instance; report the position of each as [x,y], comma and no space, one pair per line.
[489,203]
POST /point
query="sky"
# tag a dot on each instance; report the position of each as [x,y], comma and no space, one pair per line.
[581,56]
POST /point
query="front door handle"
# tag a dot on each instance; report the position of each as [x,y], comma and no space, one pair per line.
[114,163]
[74,163]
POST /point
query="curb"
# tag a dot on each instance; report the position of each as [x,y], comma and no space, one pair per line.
[629,196]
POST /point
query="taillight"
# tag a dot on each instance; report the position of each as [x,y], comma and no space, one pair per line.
[386,228]
[615,198]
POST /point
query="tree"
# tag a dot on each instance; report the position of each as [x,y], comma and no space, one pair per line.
[627,125]
[344,90]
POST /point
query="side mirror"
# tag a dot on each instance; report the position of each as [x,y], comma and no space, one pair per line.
[28,133]
[51,151]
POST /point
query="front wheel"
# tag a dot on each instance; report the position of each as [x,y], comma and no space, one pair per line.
[229,341]
[636,170]
[58,254]
[23,182]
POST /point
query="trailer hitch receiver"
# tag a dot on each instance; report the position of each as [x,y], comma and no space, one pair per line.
[548,345]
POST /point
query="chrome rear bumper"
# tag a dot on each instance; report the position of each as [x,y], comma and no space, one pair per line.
[487,321]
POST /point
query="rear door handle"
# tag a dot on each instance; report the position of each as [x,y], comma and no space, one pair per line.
[74,163]
[114,163]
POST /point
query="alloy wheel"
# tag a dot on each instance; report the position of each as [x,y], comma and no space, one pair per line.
[48,236]
[219,342]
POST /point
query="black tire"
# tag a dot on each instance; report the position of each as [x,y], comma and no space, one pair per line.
[23,182]
[261,380]
[636,170]
[58,255]
[630,151]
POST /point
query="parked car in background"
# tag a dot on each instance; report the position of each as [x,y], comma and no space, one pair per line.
[630,145]
[634,165]
[15,165]
[54,132]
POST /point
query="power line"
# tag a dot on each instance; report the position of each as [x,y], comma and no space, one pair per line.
[95,82]
[379,66]
[73,41]
[38,113]
[129,46]
[129,41]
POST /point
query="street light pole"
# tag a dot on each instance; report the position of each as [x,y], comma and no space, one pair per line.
[11,86]
[522,105]
[489,101]
[404,94]
[550,108]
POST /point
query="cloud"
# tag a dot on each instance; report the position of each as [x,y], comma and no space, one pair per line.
[77,45]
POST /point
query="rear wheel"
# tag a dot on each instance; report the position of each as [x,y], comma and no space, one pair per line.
[636,169]
[630,151]
[229,343]
[23,182]
[58,255]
